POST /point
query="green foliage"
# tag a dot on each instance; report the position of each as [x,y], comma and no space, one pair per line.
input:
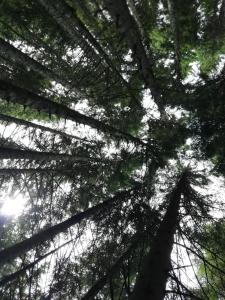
[159,41]
[84,60]
[212,271]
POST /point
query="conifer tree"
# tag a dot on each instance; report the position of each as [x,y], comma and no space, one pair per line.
[109,109]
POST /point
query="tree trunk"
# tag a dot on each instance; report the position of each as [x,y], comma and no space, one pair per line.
[19,171]
[10,153]
[15,94]
[9,278]
[222,14]
[98,286]
[20,248]
[176,39]
[70,22]
[33,39]
[66,18]
[25,123]
[9,52]
[128,27]
[151,282]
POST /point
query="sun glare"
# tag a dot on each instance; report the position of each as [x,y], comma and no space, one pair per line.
[13,205]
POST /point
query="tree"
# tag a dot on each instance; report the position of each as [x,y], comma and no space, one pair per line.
[103,132]
[212,267]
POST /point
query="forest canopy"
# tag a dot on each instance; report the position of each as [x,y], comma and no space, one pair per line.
[112,153]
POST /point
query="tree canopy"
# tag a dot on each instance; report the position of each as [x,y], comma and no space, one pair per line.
[112,123]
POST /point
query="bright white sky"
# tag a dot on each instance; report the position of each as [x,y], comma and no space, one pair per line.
[13,205]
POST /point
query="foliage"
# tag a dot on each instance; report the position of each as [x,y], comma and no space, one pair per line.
[212,241]
[110,162]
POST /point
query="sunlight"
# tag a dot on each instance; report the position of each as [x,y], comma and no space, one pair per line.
[13,205]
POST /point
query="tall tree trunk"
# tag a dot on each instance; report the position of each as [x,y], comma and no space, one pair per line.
[9,52]
[98,286]
[151,282]
[32,38]
[222,14]
[11,153]
[135,15]
[20,248]
[9,278]
[15,94]
[18,58]
[176,38]
[25,123]
[19,171]
[128,27]
[69,21]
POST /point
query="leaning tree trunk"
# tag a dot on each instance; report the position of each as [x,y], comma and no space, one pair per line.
[9,52]
[99,285]
[29,171]
[129,29]
[11,153]
[176,35]
[18,58]
[151,282]
[25,123]
[11,277]
[73,26]
[20,248]
[15,94]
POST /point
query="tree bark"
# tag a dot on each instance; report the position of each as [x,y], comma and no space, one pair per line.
[176,39]
[70,22]
[128,27]
[31,38]
[20,248]
[9,278]
[135,15]
[151,281]
[19,171]
[15,94]
[66,18]
[11,153]
[98,286]
[25,123]
[9,52]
